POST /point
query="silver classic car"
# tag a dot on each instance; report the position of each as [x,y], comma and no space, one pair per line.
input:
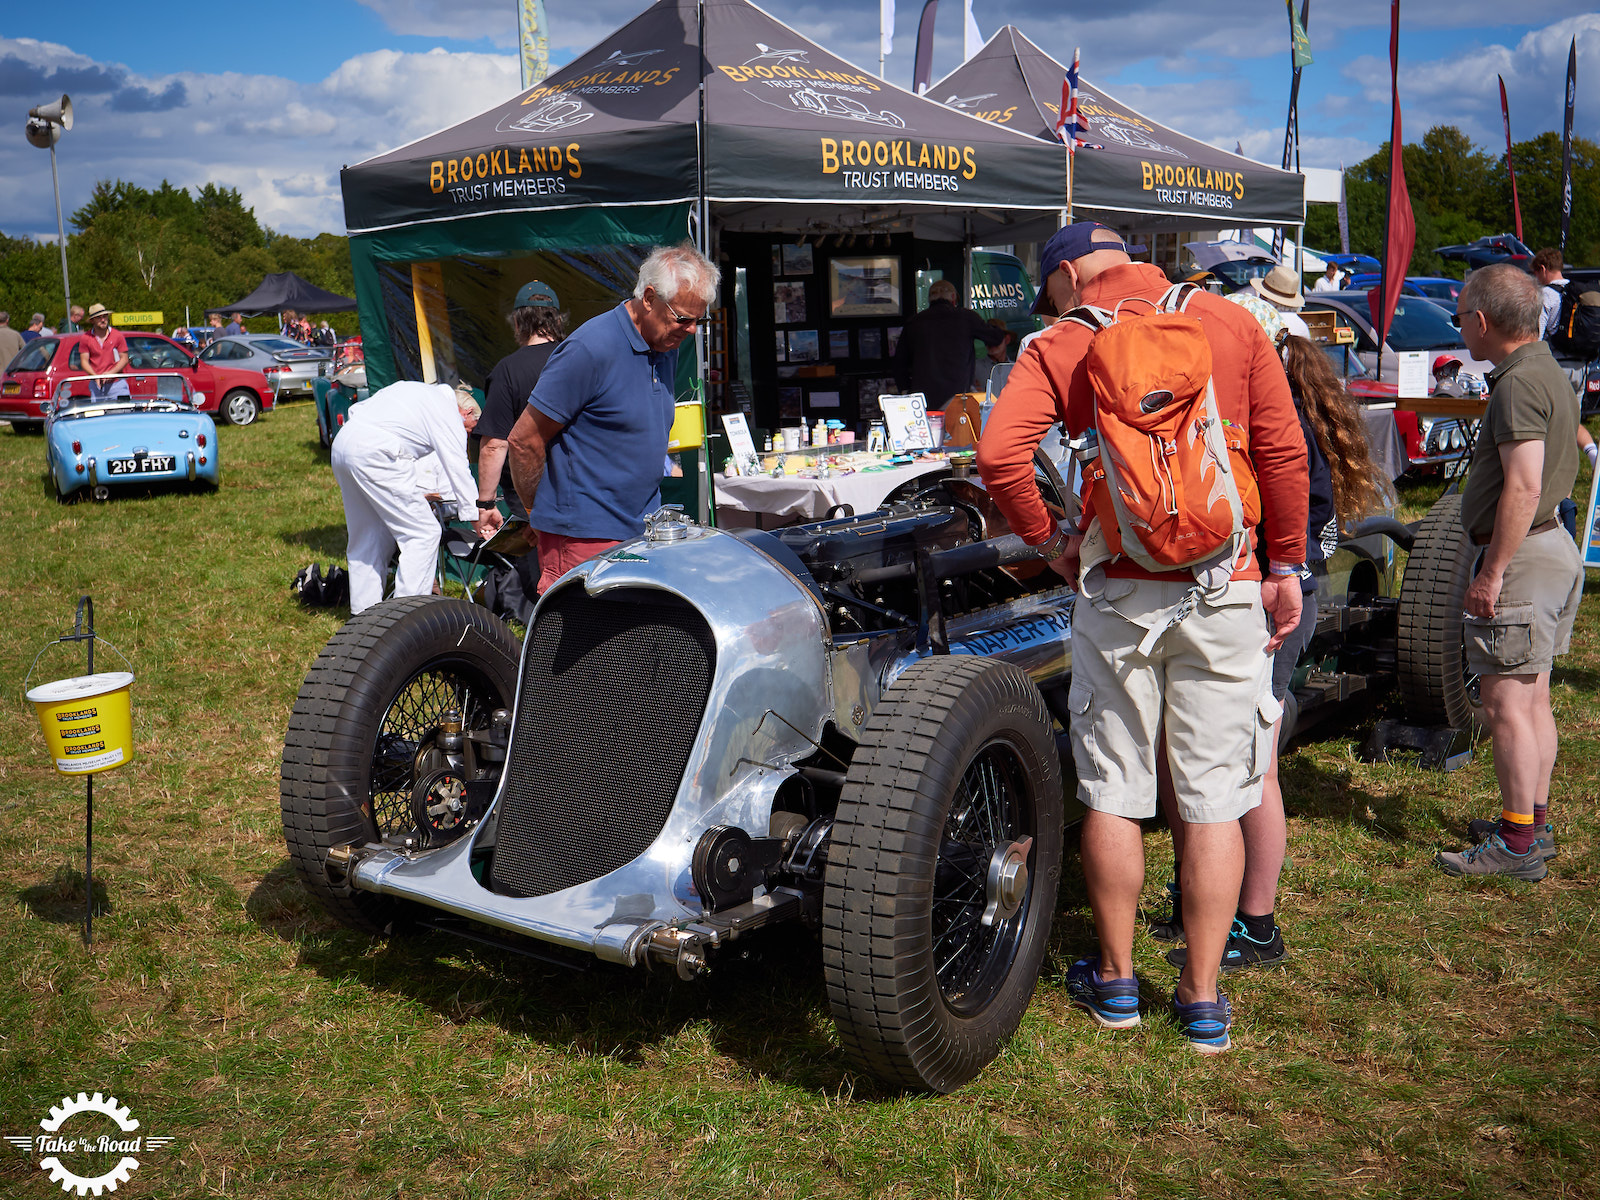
[854,724]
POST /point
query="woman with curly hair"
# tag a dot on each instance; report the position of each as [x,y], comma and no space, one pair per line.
[1345,486]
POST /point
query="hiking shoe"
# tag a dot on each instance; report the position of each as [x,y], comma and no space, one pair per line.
[1112,1002]
[1171,929]
[1544,836]
[1491,857]
[1205,1023]
[1242,950]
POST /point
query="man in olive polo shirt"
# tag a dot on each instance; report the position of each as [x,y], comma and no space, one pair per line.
[1521,602]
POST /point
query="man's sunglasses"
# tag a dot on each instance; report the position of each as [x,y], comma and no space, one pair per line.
[676,316]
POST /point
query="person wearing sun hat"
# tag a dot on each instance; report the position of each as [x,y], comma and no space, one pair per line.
[540,325]
[1281,289]
[105,354]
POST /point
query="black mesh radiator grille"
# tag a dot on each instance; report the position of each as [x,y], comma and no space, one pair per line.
[611,699]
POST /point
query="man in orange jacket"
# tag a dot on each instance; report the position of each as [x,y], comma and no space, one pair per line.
[1203,680]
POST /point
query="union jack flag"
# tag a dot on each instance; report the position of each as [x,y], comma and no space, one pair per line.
[1068,118]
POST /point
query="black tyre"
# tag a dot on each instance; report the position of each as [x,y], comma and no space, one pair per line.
[240,407]
[1432,662]
[957,764]
[323,435]
[378,686]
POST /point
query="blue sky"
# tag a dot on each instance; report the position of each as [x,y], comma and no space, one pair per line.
[274,106]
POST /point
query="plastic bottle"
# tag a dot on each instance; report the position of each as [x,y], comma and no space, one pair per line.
[819,435]
[768,450]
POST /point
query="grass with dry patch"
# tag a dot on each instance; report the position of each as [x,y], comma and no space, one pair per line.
[1428,1036]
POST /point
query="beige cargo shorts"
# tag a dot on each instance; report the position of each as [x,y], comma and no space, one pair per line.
[1532,622]
[1207,680]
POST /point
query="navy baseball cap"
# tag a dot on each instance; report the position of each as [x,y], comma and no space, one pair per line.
[1070,242]
[536,295]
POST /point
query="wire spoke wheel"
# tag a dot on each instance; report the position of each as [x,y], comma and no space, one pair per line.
[417,708]
[942,869]
[987,814]
[354,752]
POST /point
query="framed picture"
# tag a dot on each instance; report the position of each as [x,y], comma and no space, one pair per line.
[864,287]
[789,399]
[822,400]
[838,343]
[869,342]
[867,392]
[891,340]
[797,260]
[803,346]
[789,303]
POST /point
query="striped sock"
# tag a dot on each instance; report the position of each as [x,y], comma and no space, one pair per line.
[1516,831]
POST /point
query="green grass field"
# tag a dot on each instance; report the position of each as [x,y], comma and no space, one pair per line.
[1428,1036]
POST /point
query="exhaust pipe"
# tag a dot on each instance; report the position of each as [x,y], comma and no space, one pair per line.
[102,492]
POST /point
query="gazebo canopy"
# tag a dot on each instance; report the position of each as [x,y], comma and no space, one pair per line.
[285,291]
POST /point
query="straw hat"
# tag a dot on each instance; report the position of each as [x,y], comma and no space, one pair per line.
[1281,286]
[96,310]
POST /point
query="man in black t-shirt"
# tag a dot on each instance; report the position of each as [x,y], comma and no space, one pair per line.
[540,326]
[935,352]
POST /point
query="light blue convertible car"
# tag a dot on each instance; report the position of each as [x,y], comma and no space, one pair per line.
[153,434]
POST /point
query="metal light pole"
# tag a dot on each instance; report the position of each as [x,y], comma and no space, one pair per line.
[45,126]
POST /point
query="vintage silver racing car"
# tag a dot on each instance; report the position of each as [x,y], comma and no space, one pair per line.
[855,724]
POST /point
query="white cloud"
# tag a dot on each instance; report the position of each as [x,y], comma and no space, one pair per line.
[281,143]
[1461,90]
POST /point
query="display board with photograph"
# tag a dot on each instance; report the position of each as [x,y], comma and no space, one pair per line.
[869,342]
[838,343]
[789,303]
[803,346]
[797,260]
[864,287]
[1590,541]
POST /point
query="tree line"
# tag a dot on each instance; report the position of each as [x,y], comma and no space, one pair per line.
[138,249]
[1460,192]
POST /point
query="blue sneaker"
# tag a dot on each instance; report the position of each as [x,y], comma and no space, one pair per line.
[1205,1023]
[1112,1002]
[1242,950]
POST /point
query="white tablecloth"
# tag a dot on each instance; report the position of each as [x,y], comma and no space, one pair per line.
[810,499]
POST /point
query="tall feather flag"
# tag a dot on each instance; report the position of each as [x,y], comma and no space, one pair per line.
[1400,223]
[971,36]
[922,65]
[885,27]
[1566,143]
[1505,114]
[534,35]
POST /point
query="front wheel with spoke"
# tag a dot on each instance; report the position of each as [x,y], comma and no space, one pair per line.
[359,765]
[942,872]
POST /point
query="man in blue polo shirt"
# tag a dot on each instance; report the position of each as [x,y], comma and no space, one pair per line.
[586,452]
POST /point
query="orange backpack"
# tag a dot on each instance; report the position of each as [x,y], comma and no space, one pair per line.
[1159,458]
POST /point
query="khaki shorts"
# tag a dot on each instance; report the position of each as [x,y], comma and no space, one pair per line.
[1208,682]
[1532,622]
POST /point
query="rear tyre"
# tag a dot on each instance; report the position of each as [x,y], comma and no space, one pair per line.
[379,685]
[1435,687]
[956,768]
[240,407]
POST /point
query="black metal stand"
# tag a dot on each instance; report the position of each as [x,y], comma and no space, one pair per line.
[1439,749]
[83,631]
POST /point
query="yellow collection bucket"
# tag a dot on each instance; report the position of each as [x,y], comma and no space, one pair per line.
[87,721]
[688,427]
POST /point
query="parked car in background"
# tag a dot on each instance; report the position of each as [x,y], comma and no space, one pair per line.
[334,395]
[157,437]
[239,396]
[1233,275]
[1486,251]
[288,365]
[1418,324]
[1434,287]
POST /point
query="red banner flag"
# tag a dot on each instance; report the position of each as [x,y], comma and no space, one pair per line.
[1505,115]
[1400,223]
